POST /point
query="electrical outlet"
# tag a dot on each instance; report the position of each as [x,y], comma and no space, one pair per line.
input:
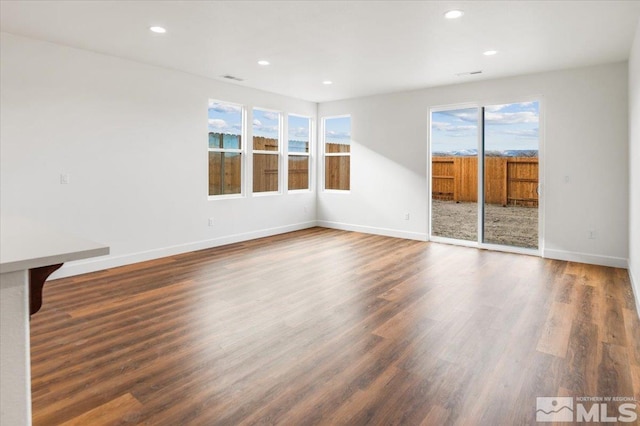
[593,234]
[65,178]
[210,221]
[405,216]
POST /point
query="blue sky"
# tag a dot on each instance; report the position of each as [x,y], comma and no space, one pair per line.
[298,128]
[266,123]
[225,118]
[508,127]
[338,130]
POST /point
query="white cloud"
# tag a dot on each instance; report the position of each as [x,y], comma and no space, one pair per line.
[511,117]
[465,127]
[471,117]
[260,128]
[224,108]
[257,122]
[335,135]
[449,127]
[299,132]
[494,108]
[217,124]
[524,133]
[440,125]
[272,116]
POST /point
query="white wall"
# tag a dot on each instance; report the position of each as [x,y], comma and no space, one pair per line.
[585,136]
[634,165]
[133,138]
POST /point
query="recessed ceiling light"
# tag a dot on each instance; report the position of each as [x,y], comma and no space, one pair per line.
[453,14]
[159,30]
[327,82]
[263,62]
[490,52]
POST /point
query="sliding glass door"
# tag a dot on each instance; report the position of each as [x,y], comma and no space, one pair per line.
[511,174]
[485,175]
[454,174]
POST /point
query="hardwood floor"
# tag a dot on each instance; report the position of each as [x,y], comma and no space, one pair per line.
[330,327]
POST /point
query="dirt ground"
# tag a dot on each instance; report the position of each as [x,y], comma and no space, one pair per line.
[512,226]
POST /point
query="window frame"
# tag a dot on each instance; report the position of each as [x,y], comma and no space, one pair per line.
[278,152]
[242,151]
[326,154]
[307,154]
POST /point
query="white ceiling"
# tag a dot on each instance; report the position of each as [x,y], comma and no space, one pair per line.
[363,47]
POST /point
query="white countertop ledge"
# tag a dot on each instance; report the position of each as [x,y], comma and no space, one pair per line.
[26,244]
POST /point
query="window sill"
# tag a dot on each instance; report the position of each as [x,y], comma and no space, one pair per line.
[337,191]
[224,197]
[266,194]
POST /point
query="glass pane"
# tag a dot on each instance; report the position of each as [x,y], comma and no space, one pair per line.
[299,131]
[225,125]
[511,174]
[225,141]
[337,134]
[336,172]
[454,174]
[266,130]
[225,170]
[265,172]
[298,172]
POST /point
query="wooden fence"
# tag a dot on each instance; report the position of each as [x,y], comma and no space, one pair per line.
[509,181]
[225,169]
[337,169]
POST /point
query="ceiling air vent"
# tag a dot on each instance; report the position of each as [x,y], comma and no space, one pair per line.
[230,77]
[460,74]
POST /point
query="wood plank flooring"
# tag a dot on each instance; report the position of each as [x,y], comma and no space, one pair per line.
[329,327]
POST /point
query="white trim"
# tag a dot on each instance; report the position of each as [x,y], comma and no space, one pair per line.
[634,289]
[485,246]
[93,265]
[593,259]
[337,191]
[454,242]
[225,196]
[396,233]
[266,193]
[510,249]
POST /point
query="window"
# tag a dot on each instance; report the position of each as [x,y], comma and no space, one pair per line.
[337,152]
[266,150]
[298,152]
[226,124]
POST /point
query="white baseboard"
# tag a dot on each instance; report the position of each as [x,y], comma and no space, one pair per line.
[373,230]
[615,262]
[636,290]
[106,262]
